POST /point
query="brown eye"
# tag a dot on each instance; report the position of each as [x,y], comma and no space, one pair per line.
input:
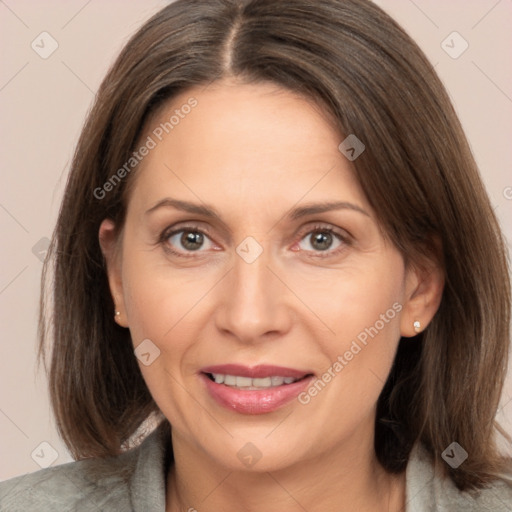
[191,241]
[323,242]
[187,240]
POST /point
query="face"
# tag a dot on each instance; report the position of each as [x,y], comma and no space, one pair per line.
[250,255]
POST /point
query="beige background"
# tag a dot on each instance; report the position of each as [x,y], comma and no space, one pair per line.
[43,103]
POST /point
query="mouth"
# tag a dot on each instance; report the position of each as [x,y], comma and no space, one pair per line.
[248,383]
[254,390]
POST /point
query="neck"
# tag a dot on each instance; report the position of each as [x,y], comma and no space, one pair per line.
[345,479]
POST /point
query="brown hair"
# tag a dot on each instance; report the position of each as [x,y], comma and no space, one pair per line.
[417,172]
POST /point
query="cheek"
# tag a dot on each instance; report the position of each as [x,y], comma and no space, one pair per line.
[149,301]
[363,309]
[160,308]
[157,303]
[162,303]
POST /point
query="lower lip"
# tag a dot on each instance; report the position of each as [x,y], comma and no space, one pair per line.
[253,401]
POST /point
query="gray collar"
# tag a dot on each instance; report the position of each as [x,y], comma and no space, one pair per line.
[427,489]
[136,481]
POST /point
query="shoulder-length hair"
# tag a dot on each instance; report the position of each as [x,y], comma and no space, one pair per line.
[417,172]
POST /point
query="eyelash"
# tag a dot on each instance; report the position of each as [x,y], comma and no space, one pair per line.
[319,228]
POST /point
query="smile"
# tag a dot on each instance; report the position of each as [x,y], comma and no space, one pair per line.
[239,382]
[254,390]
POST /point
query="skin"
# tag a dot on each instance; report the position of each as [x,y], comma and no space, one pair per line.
[254,152]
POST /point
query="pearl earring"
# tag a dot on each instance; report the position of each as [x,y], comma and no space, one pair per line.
[118,313]
[417,326]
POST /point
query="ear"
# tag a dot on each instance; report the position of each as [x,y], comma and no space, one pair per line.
[109,243]
[424,286]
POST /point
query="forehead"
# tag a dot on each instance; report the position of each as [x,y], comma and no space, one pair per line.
[260,142]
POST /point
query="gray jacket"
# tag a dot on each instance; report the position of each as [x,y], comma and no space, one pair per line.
[135,481]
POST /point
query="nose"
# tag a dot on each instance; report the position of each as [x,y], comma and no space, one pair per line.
[254,301]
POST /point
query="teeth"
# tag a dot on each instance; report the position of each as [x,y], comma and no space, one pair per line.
[265,382]
[241,382]
[246,382]
[278,381]
[229,380]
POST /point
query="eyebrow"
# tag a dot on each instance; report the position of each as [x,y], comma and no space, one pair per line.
[294,214]
[186,206]
[314,208]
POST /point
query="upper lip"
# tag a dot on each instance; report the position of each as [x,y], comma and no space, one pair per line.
[256,372]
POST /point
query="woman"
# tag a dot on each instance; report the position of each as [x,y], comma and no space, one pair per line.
[274,242]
